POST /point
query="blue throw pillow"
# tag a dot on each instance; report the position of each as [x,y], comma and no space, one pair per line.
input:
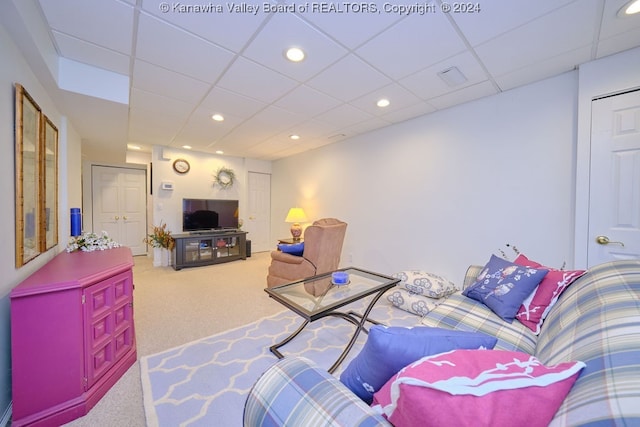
[389,349]
[503,286]
[293,249]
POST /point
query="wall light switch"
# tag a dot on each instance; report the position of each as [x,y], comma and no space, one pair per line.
[166,185]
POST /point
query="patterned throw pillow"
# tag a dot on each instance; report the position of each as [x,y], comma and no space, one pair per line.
[476,387]
[389,349]
[424,283]
[535,308]
[503,286]
[413,303]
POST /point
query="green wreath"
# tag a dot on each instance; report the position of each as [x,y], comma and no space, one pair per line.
[224,177]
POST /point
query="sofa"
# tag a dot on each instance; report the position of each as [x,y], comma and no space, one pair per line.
[595,320]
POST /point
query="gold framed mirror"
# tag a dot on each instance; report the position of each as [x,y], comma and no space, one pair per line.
[50,185]
[28,128]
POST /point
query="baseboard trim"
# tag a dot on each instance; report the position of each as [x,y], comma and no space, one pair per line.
[6,417]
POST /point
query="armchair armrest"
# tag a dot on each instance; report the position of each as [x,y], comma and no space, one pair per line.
[295,392]
[286,258]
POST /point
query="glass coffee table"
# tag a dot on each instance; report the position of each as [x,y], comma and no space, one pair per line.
[317,297]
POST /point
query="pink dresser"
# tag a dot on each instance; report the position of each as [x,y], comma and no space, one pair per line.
[72,335]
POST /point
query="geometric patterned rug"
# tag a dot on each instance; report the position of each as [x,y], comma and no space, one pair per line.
[206,382]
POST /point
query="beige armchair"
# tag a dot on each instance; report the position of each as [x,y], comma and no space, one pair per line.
[322,248]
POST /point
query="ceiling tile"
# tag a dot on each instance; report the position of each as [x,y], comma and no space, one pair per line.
[543,69]
[284,31]
[426,84]
[412,44]
[470,93]
[619,42]
[91,54]
[92,21]
[158,105]
[351,29]
[411,112]
[500,16]
[348,79]
[225,102]
[255,81]
[568,28]
[230,29]
[398,97]
[151,78]
[343,116]
[614,25]
[306,100]
[172,48]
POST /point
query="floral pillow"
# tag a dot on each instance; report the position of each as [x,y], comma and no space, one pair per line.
[424,283]
[535,308]
[503,286]
[476,387]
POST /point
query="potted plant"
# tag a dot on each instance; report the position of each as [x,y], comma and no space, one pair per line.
[162,242]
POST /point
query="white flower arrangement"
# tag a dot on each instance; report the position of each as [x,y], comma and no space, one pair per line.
[89,242]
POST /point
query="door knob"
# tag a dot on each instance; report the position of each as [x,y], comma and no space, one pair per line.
[124,217]
[117,217]
[604,240]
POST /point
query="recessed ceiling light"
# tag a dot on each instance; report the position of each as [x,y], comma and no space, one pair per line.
[294,137]
[630,8]
[217,117]
[133,147]
[294,54]
[219,152]
[383,103]
[186,147]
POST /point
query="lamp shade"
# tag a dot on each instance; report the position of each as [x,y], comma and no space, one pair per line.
[296,215]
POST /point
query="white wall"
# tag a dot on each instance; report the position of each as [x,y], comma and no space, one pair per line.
[197,183]
[448,189]
[14,69]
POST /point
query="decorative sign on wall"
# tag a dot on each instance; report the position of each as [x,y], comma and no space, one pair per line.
[224,177]
[36,179]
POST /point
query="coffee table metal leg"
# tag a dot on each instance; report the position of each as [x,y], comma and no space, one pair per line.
[274,348]
[359,328]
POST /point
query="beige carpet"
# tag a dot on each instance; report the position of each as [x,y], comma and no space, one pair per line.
[175,307]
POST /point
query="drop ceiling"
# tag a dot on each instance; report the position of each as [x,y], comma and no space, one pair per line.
[167,68]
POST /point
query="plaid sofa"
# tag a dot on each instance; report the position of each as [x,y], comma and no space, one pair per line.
[596,321]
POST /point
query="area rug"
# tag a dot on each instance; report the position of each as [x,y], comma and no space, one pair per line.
[206,382]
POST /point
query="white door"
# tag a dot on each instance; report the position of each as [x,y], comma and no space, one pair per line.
[119,205]
[258,218]
[614,194]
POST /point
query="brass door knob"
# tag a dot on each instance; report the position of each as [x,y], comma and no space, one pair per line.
[604,240]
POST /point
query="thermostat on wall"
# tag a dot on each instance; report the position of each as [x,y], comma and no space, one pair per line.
[167,185]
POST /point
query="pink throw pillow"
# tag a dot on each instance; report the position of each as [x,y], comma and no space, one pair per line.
[476,388]
[535,308]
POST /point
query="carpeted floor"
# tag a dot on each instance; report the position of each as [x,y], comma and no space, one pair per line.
[206,382]
[172,308]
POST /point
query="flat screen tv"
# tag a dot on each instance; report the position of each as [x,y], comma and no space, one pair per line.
[209,214]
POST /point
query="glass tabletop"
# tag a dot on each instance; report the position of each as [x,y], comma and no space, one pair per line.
[315,296]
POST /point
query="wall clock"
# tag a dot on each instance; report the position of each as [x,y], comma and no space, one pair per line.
[181,166]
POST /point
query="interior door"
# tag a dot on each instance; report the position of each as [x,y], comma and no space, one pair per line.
[119,205]
[614,195]
[258,215]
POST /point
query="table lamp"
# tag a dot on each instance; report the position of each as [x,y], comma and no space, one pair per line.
[296,216]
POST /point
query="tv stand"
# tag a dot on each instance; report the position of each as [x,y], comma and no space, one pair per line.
[195,249]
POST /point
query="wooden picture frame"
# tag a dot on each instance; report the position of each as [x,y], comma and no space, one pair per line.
[49,185]
[28,174]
